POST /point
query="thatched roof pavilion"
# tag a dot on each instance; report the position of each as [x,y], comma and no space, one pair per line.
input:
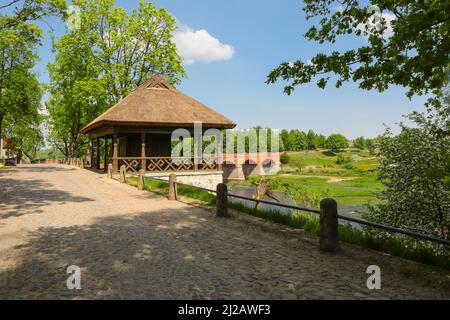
[141,124]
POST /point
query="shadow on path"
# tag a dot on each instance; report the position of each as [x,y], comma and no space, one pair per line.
[20,197]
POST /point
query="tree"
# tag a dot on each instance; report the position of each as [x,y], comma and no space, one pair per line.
[415,171]
[360,143]
[337,142]
[284,136]
[407,45]
[20,91]
[311,140]
[100,62]
[24,11]
[321,141]
[25,136]
[297,140]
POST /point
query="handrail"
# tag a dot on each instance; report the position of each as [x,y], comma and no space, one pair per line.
[288,206]
[395,230]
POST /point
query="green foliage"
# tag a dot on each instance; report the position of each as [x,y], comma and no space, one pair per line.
[414,170]
[28,10]
[99,63]
[284,158]
[412,52]
[360,143]
[337,142]
[20,91]
[343,159]
[25,136]
[321,141]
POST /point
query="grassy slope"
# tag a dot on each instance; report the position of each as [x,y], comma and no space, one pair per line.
[358,191]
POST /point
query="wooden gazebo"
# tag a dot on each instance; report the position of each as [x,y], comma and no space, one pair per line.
[136,132]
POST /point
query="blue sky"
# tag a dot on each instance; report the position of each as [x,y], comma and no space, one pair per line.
[232,45]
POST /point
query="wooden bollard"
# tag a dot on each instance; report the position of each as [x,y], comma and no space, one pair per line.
[141,179]
[110,171]
[222,200]
[329,235]
[172,187]
[123,173]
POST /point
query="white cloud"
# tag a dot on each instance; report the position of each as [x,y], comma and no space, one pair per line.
[387,17]
[199,46]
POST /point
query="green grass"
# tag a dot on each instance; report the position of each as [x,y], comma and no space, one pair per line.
[327,160]
[407,248]
[162,187]
[358,191]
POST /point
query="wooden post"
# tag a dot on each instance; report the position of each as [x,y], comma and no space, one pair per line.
[172,187]
[98,154]
[329,236]
[222,200]
[105,161]
[110,171]
[115,153]
[123,174]
[91,153]
[141,180]
[144,162]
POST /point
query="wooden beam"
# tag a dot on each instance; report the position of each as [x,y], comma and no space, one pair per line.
[98,154]
[144,162]
[115,152]
[91,153]
[105,153]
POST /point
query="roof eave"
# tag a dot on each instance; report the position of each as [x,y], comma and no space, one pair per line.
[89,128]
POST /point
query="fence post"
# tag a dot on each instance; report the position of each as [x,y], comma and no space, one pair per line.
[222,200]
[172,187]
[329,236]
[110,171]
[141,179]
[123,173]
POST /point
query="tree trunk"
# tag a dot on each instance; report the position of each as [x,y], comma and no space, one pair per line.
[260,192]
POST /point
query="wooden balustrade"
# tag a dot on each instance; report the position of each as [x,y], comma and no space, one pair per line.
[167,164]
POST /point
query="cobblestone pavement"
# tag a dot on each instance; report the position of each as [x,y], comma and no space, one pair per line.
[131,244]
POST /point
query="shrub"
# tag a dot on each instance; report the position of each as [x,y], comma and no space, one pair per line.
[336,142]
[341,159]
[414,169]
[284,159]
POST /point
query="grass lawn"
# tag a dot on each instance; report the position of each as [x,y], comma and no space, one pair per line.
[327,159]
[358,191]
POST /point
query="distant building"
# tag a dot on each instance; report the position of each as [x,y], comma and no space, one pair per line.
[3,148]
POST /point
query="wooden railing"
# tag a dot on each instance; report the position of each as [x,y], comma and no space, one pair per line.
[167,164]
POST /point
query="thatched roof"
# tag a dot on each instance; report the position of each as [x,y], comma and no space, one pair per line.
[157,103]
